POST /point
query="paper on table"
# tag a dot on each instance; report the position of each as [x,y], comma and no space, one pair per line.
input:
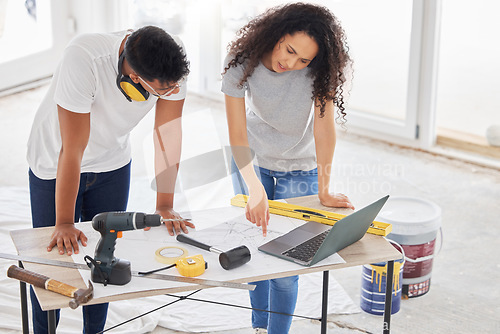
[139,248]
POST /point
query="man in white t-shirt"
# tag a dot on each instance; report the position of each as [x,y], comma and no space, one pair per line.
[79,150]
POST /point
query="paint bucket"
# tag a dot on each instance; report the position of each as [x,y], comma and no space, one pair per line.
[415,223]
[373,286]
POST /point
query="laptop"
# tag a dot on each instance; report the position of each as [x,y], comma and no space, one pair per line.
[312,242]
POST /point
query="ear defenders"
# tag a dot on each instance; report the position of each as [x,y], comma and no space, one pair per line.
[131,90]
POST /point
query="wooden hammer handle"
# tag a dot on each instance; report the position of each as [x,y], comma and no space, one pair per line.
[41,281]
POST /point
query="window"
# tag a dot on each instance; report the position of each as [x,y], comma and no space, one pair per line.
[468,99]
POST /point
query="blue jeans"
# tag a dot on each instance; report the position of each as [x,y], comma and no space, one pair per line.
[98,192]
[280,294]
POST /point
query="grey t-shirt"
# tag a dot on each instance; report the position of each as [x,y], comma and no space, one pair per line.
[279,115]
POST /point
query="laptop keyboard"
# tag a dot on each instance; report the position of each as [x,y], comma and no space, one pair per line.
[306,250]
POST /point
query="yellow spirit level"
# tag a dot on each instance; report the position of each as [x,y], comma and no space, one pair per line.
[309,214]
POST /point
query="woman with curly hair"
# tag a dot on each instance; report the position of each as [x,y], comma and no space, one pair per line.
[291,63]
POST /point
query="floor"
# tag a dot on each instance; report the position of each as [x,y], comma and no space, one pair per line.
[464,293]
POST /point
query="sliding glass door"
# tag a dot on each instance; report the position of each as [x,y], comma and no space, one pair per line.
[383,37]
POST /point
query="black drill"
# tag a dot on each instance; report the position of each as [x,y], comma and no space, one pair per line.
[105,267]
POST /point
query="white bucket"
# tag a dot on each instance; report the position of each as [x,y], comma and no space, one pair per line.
[415,223]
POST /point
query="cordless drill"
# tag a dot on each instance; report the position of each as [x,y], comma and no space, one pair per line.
[105,268]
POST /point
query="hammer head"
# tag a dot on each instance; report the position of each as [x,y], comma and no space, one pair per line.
[82,296]
[235,257]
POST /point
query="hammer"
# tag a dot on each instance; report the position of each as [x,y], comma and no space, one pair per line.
[79,296]
[231,259]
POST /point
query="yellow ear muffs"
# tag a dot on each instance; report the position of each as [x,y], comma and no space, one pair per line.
[131,90]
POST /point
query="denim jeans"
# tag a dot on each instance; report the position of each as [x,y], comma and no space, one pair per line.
[98,192]
[280,294]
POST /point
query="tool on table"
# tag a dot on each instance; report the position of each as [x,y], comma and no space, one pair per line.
[312,242]
[309,214]
[230,259]
[170,254]
[105,267]
[78,296]
[73,265]
[191,266]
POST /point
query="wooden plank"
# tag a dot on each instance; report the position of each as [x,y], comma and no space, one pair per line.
[466,142]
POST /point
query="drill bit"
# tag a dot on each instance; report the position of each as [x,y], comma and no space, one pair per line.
[175,219]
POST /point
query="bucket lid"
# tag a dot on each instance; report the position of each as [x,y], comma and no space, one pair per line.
[410,215]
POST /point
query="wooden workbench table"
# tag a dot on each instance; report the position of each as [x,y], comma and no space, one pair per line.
[33,242]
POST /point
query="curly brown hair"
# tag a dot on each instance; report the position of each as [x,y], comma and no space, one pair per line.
[328,68]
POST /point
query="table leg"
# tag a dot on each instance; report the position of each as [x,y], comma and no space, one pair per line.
[51,318]
[388,297]
[324,303]
[24,304]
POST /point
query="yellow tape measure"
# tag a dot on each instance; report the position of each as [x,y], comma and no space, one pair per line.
[309,214]
[191,266]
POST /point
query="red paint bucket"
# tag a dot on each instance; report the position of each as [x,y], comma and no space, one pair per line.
[415,223]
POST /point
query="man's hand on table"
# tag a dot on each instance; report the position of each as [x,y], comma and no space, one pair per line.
[66,235]
[177,226]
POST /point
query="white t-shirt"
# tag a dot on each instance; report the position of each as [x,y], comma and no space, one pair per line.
[85,82]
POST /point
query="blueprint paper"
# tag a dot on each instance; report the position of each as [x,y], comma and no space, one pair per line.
[139,248]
